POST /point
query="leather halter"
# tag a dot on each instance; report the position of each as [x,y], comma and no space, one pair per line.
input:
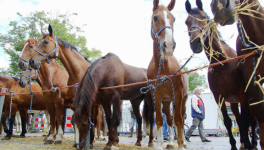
[157,34]
[54,50]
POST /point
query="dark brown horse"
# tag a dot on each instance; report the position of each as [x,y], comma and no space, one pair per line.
[59,76]
[253,27]
[105,72]
[222,76]
[20,103]
[163,47]
[75,64]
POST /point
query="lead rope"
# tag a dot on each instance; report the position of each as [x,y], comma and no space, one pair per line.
[31,92]
[164,78]
[53,89]
[10,107]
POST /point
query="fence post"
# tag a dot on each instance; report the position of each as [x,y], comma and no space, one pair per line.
[2,100]
[87,140]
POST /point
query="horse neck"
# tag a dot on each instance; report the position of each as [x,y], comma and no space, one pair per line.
[74,63]
[224,51]
[44,77]
[6,82]
[253,26]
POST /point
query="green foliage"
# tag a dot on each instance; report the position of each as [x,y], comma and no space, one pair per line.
[196,80]
[31,26]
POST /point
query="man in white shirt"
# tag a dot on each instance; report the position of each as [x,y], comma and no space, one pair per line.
[198,114]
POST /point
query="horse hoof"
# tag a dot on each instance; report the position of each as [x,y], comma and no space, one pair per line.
[114,147]
[22,136]
[151,145]
[48,142]
[107,148]
[170,146]
[57,142]
[6,138]
[185,146]
[45,139]
[138,144]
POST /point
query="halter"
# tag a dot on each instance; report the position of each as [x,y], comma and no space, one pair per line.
[24,59]
[157,34]
[195,26]
[54,50]
[90,123]
[29,77]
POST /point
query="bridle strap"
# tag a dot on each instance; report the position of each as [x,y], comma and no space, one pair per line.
[54,50]
[195,26]
[156,34]
[24,59]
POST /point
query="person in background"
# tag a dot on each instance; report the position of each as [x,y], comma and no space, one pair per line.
[133,121]
[198,114]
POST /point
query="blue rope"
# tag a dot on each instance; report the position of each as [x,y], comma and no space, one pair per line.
[76,86]
[90,123]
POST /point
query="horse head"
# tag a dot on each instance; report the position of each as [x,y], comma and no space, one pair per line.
[28,74]
[27,49]
[223,11]
[80,121]
[195,22]
[162,27]
[46,49]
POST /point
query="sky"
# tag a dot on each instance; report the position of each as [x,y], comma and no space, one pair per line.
[121,27]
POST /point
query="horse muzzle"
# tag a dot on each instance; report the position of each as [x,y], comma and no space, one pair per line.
[22,65]
[223,11]
[196,46]
[35,64]
[22,83]
[168,48]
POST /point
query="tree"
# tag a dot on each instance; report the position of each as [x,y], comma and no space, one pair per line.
[31,26]
[196,80]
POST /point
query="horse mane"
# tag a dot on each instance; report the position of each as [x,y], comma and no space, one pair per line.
[88,88]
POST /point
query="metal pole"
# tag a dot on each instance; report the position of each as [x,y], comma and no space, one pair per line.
[87,140]
[2,100]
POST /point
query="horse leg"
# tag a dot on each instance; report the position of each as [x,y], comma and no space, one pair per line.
[179,118]
[116,118]
[169,121]
[135,105]
[10,130]
[59,118]
[253,123]
[100,122]
[159,122]
[50,138]
[23,114]
[108,114]
[183,108]
[46,112]
[228,123]
[149,102]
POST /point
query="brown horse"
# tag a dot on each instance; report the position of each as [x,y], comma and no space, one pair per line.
[75,64]
[105,72]
[230,72]
[253,27]
[20,103]
[59,76]
[163,48]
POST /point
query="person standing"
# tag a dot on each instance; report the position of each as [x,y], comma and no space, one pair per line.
[133,121]
[198,114]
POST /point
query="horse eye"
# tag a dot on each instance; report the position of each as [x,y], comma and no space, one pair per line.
[31,46]
[46,42]
[155,18]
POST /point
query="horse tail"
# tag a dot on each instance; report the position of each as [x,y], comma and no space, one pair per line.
[146,113]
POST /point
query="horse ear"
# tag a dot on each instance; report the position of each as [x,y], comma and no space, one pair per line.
[188,6]
[155,4]
[50,30]
[171,5]
[43,33]
[199,4]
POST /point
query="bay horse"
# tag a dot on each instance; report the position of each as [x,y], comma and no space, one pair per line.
[163,47]
[58,78]
[20,103]
[222,76]
[105,72]
[76,65]
[253,27]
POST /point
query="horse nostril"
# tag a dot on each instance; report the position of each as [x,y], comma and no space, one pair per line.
[22,64]
[32,61]
[174,45]
[20,82]
[164,44]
